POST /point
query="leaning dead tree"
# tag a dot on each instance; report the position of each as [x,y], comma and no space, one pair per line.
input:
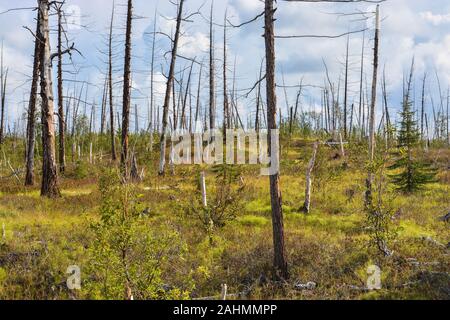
[126,92]
[49,169]
[31,124]
[170,82]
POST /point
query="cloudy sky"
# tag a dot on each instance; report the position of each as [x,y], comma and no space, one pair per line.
[410,28]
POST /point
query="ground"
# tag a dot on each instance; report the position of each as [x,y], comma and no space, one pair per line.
[330,246]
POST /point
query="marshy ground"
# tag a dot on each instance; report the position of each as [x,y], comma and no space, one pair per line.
[330,246]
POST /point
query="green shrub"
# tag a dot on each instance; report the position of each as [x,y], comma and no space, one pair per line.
[127,257]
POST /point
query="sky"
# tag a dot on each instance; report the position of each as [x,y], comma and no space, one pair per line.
[410,28]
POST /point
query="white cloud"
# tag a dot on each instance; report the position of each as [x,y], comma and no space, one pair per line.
[194,45]
[435,19]
[410,28]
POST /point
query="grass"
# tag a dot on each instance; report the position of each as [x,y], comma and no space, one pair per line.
[330,246]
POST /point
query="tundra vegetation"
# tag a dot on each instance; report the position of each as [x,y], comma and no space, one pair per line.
[359,185]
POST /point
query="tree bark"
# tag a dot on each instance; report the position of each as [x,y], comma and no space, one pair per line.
[61,119]
[203,189]
[346,89]
[3,79]
[110,82]
[103,113]
[170,80]
[280,262]
[212,85]
[372,110]
[152,83]
[226,106]
[258,100]
[422,113]
[126,92]
[49,168]
[31,134]
[309,171]
[361,93]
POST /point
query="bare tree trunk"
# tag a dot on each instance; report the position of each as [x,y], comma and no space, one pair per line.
[49,168]
[134,173]
[448,118]
[203,189]
[280,262]
[422,113]
[197,107]
[185,100]
[350,130]
[3,80]
[361,93]
[61,119]
[386,108]
[341,144]
[110,82]
[309,171]
[212,85]
[170,80]
[372,110]
[126,92]
[152,83]
[103,113]
[258,100]
[346,90]
[136,119]
[226,111]
[31,134]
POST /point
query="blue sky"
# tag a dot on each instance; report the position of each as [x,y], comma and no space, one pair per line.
[410,28]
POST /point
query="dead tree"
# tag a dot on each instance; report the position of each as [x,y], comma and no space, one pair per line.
[126,92]
[203,189]
[3,81]
[134,172]
[280,261]
[212,85]
[346,89]
[387,116]
[185,99]
[226,106]
[370,177]
[309,170]
[49,168]
[170,81]
[103,111]
[361,93]
[152,83]
[197,107]
[61,119]
[31,133]
[258,100]
[422,113]
[110,83]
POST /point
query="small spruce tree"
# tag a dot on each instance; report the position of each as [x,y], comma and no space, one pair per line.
[414,174]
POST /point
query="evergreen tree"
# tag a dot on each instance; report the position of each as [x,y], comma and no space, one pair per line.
[414,174]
